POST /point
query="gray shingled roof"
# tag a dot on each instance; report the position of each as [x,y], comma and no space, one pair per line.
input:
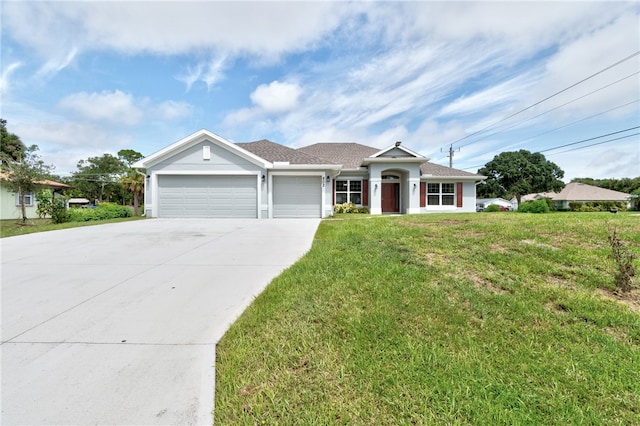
[429,168]
[582,192]
[273,152]
[349,154]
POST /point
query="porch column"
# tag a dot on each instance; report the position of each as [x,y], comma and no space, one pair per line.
[375,195]
[414,195]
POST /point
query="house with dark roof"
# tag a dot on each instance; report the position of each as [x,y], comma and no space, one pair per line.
[205,175]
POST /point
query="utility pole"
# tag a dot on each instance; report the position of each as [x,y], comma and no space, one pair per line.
[451,151]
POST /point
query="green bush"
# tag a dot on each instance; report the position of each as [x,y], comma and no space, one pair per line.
[537,206]
[102,212]
[492,208]
[349,208]
[597,206]
[59,213]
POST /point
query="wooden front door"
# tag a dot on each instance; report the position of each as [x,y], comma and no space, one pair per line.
[391,197]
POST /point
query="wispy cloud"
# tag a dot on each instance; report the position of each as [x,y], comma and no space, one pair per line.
[113,107]
[6,74]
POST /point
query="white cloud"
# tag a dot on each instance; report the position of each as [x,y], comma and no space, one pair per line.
[276,97]
[263,29]
[6,73]
[210,72]
[171,110]
[113,107]
[64,143]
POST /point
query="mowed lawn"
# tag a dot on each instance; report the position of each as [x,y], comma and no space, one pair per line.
[492,318]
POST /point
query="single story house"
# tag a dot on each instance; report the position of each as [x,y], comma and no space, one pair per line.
[581,193]
[483,203]
[205,175]
[10,201]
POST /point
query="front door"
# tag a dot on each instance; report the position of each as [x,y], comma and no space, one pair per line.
[391,197]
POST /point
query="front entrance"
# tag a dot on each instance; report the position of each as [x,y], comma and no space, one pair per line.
[390,197]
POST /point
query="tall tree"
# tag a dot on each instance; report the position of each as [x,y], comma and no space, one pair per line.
[519,173]
[99,177]
[25,174]
[11,146]
[132,181]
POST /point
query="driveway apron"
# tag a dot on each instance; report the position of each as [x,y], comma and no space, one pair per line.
[117,324]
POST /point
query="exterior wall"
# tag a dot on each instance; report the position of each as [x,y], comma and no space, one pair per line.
[9,209]
[191,161]
[468,198]
[409,176]
[351,175]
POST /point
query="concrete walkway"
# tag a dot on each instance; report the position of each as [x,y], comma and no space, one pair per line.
[117,324]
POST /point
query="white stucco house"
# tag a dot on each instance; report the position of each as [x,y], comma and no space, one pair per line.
[205,175]
[483,203]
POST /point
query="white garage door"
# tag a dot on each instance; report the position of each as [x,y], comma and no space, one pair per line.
[297,196]
[207,196]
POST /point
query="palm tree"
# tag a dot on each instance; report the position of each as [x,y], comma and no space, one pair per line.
[134,183]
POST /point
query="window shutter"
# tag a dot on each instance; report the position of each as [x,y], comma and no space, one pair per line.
[365,192]
[423,194]
[459,194]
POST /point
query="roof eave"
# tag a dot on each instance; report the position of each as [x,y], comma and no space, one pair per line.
[371,160]
[193,139]
[310,167]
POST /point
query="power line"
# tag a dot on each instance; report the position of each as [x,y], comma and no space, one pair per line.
[577,142]
[559,106]
[548,97]
[579,121]
[594,144]
[590,139]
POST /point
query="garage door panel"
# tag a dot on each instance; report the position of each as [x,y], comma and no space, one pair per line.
[297,196]
[207,196]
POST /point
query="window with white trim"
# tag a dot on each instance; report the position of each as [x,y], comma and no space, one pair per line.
[28,199]
[441,194]
[349,191]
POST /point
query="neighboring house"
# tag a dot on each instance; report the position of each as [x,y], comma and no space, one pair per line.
[78,202]
[538,196]
[10,201]
[483,203]
[204,175]
[581,193]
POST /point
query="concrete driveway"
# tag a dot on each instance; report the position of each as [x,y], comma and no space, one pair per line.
[117,324]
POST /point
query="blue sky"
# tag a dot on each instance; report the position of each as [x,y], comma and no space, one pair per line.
[80,79]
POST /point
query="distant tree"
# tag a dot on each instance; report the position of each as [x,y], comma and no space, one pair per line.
[132,181]
[11,147]
[129,156]
[98,178]
[24,174]
[626,185]
[519,173]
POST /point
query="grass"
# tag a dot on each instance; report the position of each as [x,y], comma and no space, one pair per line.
[14,227]
[487,318]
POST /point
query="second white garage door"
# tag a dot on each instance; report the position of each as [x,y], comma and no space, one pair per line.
[297,196]
[207,196]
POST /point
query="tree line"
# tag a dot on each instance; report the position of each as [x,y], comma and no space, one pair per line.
[518,173]
[103,178]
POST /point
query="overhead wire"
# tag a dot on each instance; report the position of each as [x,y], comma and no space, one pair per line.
[546,99]
[578,142]
[594,144]
[558,107]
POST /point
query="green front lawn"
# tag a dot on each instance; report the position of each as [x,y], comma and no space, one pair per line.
[13,227]
[493,318]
